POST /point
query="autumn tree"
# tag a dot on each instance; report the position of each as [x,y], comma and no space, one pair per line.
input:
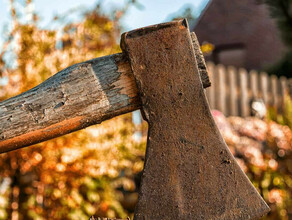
[96,171]
[90,172]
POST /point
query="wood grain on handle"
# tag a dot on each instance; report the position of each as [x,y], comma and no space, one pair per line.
[79,96]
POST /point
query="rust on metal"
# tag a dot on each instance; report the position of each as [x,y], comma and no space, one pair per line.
[106,88]
[189,172]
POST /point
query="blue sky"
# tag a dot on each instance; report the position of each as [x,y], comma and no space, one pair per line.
[153,12]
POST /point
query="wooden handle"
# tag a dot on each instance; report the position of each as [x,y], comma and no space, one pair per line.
[76,97]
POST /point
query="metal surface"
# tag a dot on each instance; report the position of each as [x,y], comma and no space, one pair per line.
[75,98]
[189,172]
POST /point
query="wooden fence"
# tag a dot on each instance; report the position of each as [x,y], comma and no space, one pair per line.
[233,90]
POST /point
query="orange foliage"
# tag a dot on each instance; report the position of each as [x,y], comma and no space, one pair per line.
[85,173]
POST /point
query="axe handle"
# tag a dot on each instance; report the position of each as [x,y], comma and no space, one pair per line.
[76,97]
[79,96]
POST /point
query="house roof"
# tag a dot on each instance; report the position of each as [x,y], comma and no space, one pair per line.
[241,22]
[202,14]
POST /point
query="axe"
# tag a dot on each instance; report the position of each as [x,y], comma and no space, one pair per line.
[189,172]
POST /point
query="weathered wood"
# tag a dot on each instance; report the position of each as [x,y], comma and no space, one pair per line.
[202,67]
[244,103]
[233,94]
[257,86]
[283,92]
[221,89]
[274,91]
[77,97]
[210,92]
[264,87]
[284,86]
[254,84]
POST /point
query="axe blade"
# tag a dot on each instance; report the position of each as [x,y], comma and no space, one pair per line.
[189,172]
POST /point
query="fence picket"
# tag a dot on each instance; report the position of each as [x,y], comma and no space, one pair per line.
[283,91]
[210,92]
[232,90]
[274,91]
[233,94]
[264,87]
[221,89]
[254,83]
[284,86]
[244,103]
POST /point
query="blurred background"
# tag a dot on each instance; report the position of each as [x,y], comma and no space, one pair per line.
[96,171]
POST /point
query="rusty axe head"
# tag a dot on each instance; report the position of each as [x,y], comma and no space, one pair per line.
[189,172]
